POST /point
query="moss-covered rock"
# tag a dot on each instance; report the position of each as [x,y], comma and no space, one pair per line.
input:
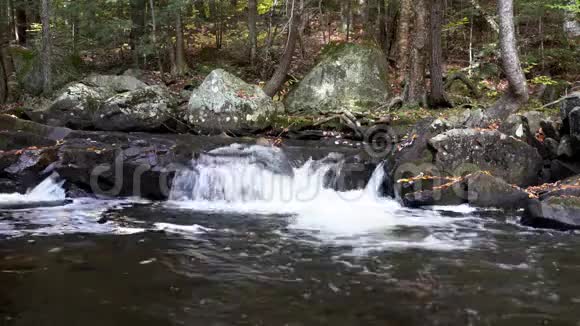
[349,76]
[142,109]
[224,102]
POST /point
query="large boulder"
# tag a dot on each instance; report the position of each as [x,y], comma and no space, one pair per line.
[349,76]
[224,102]
[118,84]
[110,103]
[73,107]
[462,150]
[142,109]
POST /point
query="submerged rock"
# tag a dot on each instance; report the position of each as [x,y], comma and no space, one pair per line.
[224,102]
[463,150]
[352,77]
[268,157]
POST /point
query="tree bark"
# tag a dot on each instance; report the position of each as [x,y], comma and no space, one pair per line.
[4,28]
[253,34]
[404,35]
[154,35]
[517,93]
[46,53]
[416,93]
[279,76]
[437,97]
[20,25]
[137,27]
[180,67]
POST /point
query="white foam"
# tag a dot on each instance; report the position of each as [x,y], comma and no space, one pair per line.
[359,218]
[48,190]
[176,228]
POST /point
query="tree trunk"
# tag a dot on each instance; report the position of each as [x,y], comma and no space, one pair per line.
[154,35]
[137,27]
[46,53]
[404,35]
[4,28]
[437,97]
[517,93]
[253,34]
[279,76]
[416,93]
[200,8]
[20,25]
[180,67]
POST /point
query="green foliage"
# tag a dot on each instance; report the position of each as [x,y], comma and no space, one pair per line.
[543,80]
[453,25]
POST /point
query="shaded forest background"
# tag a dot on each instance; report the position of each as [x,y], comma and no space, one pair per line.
[275,42]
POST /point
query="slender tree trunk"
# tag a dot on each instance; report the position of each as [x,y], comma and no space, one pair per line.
[404,35]
[180,68]
[253,34]
[46,53]
[437,98]
[492,23]
[200,8]
[137,28]
[154,35]
[21,24]
[279,76]
[416,93]
[4,28]
[517,93]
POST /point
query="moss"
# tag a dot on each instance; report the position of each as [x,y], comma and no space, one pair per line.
[567,201]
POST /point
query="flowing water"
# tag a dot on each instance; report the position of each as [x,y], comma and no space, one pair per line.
[245,241]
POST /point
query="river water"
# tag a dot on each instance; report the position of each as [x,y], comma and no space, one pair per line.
[250,252]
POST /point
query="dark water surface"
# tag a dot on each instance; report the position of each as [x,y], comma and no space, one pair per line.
[60,267]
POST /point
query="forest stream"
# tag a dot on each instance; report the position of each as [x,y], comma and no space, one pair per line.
[238,243]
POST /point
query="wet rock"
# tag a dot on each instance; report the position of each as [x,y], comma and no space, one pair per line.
[485,190]
[143,109]
[268,157]
[462,150]
[349,76]
[224,102]
[479,189]
[561,212]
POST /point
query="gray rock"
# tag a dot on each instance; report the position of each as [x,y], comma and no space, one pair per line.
[224,102]
[352,77]
[565,149]
[555,212]
[568,104]
[267,157]
[143,109]
[118,84]
[485,190]
[459,150]
[73,107]
[574,122]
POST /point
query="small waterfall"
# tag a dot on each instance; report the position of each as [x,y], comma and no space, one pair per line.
[48,193]
[249,174]
[244,174]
